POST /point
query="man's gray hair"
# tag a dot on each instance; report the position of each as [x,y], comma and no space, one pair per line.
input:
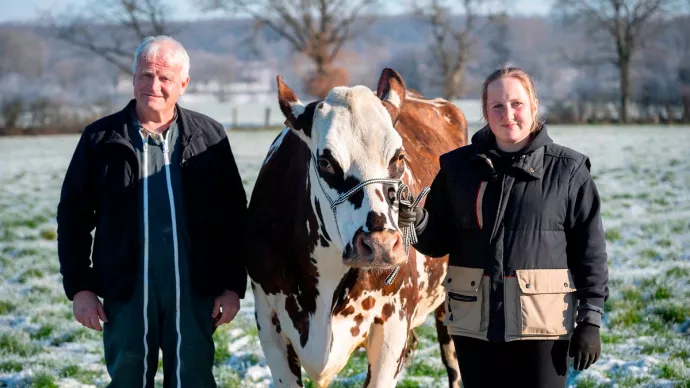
[149,48]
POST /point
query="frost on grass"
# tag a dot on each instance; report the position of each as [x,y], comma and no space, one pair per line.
[642,175]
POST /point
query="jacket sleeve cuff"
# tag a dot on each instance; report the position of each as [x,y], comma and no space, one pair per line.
[86,281]
[239,285]
[419,228]
[590,314]
[240,293]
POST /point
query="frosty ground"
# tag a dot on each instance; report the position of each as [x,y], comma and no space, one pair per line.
[643,175]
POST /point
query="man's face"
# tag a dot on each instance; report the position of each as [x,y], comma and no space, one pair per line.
[158,83]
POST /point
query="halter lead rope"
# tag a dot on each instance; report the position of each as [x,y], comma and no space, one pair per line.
[404,194]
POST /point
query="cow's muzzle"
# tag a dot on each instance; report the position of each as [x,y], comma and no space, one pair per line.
[382,250]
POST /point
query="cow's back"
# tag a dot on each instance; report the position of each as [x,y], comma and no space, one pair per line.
[430,128]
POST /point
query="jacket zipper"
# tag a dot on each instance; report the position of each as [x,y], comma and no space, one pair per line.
[171,200]
[145,166]
[491,243]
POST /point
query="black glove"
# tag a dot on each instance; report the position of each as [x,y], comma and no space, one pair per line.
[585,346]
[409,215]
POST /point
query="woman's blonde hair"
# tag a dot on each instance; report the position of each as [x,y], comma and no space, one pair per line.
[508,70]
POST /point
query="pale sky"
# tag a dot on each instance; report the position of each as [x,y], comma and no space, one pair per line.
[27,10]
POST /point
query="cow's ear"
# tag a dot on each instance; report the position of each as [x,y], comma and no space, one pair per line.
[391,91]
[294,111]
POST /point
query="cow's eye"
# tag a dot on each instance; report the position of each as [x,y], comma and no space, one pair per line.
[324,164]
[401,157]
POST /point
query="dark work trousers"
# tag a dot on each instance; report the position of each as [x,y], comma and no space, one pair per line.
[523,363]
[164,312]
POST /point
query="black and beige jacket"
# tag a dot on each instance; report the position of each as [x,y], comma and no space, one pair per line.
[524,236]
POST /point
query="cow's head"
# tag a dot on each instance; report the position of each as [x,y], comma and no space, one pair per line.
[352,140]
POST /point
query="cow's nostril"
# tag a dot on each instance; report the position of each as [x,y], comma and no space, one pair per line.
[398,243]
[364,245]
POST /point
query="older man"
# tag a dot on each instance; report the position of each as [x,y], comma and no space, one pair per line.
[160,185]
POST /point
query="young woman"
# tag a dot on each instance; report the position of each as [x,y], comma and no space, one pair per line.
[519,217]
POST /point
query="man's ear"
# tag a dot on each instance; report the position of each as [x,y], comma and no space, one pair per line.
[184,85]
[295,112]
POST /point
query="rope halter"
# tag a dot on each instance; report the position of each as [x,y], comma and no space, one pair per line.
[402,195]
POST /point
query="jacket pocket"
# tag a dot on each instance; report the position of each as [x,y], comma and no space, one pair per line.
[465,307]
[546,301]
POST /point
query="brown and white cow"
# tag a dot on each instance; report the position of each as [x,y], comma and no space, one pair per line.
[318,274]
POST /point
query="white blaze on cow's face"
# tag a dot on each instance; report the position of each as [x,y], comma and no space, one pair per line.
[351,134]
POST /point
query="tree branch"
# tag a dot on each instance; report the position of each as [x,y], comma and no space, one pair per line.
[123,23]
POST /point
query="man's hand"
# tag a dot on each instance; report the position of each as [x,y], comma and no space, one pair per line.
[408,215]
[225,307]
[88,309]
[585,346]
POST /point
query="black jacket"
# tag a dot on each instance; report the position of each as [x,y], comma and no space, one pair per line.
[100,191]
[537,210]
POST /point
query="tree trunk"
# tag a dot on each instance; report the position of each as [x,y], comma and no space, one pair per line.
[625,90]
[453,86]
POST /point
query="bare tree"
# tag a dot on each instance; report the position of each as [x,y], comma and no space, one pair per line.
[452,43]
[682,30]
[22,53]
[112,29]
[410,64]
[23,58]
[619,29]
[317,29]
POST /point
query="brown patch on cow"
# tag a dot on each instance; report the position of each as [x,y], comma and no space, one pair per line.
[276,322]
[368,303]
[324,232]
[387,310]
[396,166]
[409,294]
[376,222]
[378,194]
[358,321]
[448,356]
[324,242]
[348,310]
[426,134]
[344,292]
[435,269]
[294,364]
[299,318]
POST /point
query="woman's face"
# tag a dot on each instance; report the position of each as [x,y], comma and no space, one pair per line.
[511,113]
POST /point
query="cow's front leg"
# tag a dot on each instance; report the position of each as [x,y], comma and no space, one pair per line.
[386,345]
[282,359]
[448,356]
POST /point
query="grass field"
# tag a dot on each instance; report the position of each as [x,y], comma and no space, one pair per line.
[643,175]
